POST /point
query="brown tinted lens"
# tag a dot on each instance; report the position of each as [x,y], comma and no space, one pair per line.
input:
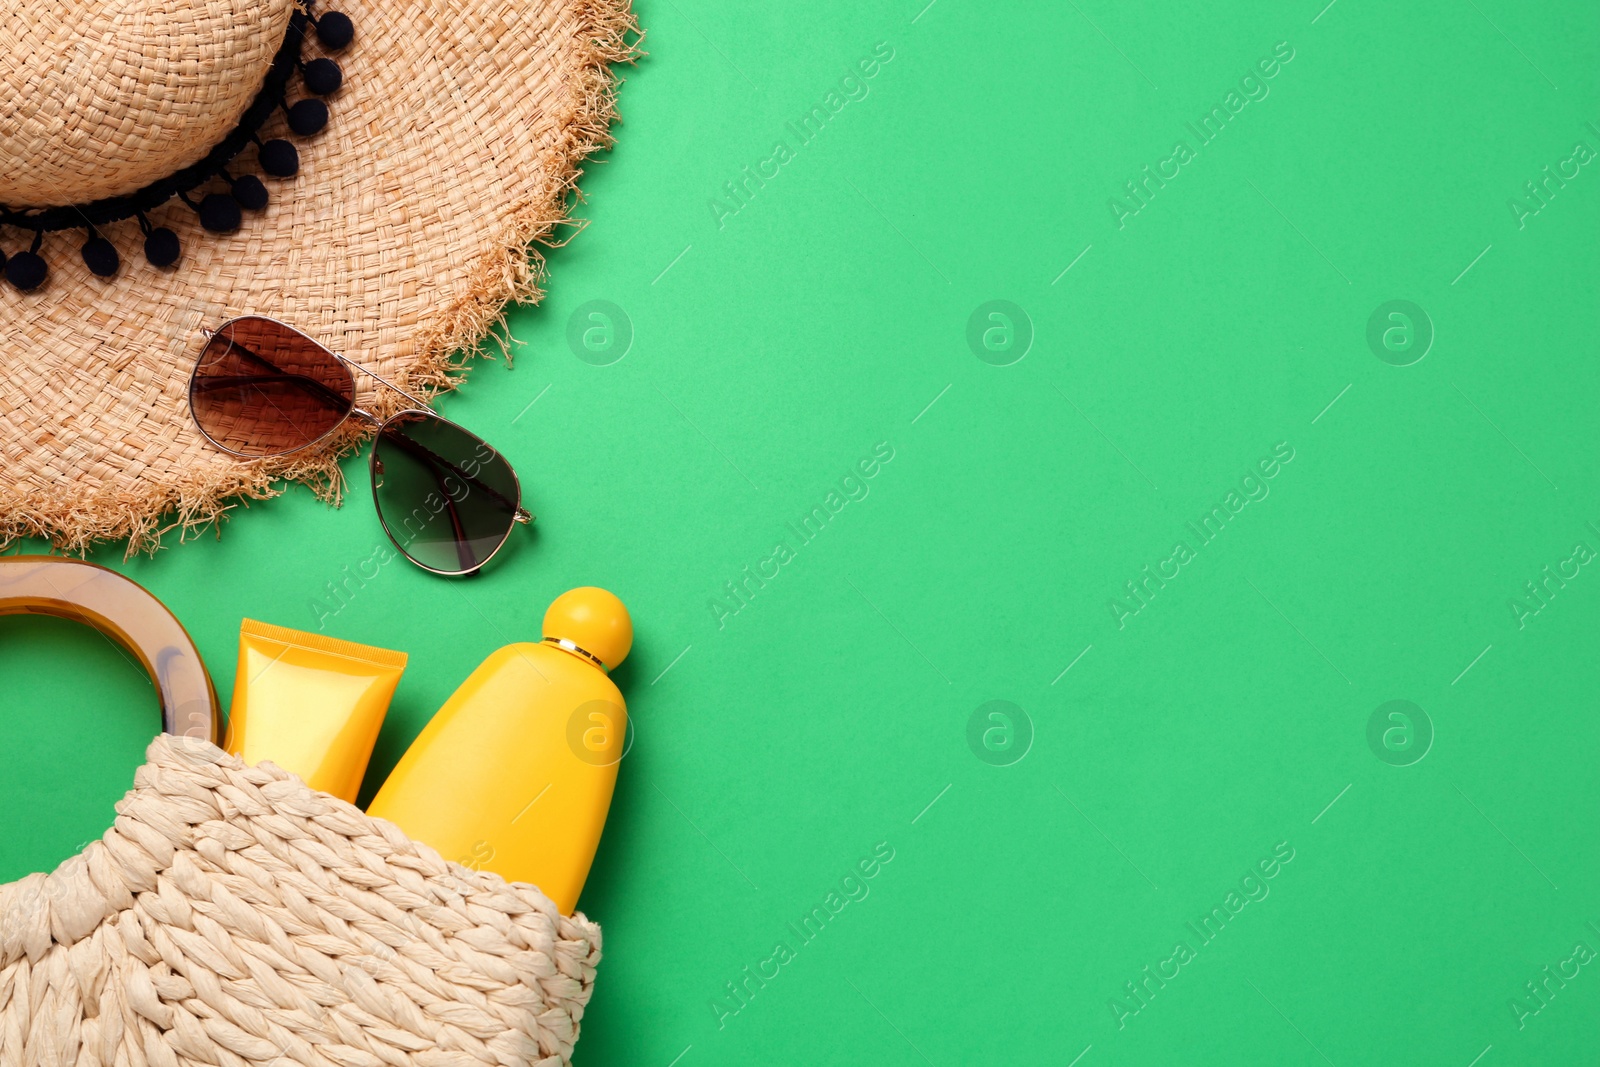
[446,498]
[262,389]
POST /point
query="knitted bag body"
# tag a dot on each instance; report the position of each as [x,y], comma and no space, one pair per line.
[235,917]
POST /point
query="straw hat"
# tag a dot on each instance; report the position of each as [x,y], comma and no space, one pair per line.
[372,174]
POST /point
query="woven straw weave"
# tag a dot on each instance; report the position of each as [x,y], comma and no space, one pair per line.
[233,916]
[102,104]
[455,141]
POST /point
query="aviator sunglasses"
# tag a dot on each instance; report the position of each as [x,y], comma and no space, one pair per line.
[446,499]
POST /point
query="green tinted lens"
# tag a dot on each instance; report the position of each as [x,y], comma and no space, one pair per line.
[446,498]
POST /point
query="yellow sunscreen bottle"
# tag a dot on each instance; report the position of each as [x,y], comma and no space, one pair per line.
[514,774]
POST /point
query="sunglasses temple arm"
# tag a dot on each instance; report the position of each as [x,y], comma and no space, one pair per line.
[233,381]
[434,462]
[311,384]
[462,552]
[417,400]
[468,564]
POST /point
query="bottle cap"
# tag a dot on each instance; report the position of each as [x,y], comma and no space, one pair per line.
[592,620]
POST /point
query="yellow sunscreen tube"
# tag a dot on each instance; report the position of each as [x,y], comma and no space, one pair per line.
[311,704]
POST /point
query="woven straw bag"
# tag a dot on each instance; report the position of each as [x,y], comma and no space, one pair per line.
[234,916]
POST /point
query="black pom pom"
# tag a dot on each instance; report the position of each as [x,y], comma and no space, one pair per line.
[26,271]
[161,247]
[308,117]
[100,256]
[250,192]
[335,30]
[323,76]
[219,213]
[279,158]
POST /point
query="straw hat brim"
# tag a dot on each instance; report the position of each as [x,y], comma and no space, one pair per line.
[454,145]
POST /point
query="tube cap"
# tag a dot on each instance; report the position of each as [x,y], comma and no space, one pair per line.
[592,619]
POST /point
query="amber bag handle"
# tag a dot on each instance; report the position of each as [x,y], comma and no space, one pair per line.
[125,611]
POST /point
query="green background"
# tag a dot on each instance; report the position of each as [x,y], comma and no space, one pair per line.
[774,347]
